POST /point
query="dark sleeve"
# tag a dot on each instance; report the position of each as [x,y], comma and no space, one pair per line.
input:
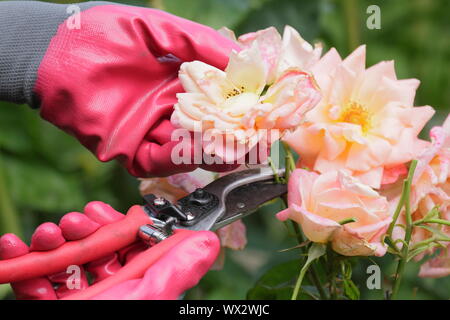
[26,28]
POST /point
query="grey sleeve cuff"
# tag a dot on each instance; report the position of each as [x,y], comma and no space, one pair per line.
[26,28]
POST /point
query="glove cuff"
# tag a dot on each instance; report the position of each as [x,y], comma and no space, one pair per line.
[27,28]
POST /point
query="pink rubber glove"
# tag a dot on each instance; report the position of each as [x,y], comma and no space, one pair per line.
[178,270]
[113,82]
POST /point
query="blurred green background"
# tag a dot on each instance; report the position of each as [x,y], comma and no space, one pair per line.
[45,173]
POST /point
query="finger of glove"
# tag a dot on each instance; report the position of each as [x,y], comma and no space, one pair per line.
[11,247]
[130,252]
[104,267]
[178,270]
[96,214]
[69,281]
[220,167]
[34,289]
[161,161]
[47,236]
[76,226]
[187,40]
[102,213]
[161,132]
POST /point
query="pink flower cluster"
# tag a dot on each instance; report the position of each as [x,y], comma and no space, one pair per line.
[355,147]
[355,129]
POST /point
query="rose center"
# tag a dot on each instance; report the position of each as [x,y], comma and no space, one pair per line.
[355,113]
[234,92]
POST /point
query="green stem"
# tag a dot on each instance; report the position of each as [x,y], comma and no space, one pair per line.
[347,220]
[289,161]
[408,232]
[298,283]
[439,221]
[351,13]
[397,211]
[424,243]
[275,171]
[9,221]
[331,273]
[313,273]
[289,157]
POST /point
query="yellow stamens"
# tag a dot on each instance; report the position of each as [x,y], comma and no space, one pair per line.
[234,92]
[355,113]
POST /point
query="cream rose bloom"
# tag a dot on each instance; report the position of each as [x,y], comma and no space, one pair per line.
[253,93]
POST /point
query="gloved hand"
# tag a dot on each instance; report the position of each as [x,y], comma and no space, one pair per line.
[178,270]
[112,82]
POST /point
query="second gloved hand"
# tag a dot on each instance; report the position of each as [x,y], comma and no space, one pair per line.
[173,273]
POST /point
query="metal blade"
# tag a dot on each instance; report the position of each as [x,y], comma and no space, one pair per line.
[245,200]
[247,189]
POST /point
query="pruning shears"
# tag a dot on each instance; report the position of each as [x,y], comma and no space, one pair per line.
[159,223]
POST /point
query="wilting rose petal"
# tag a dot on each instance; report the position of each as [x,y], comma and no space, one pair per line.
[270,45]
[285,103]
[296,52]
[177,186]
[281,53]
[233,236]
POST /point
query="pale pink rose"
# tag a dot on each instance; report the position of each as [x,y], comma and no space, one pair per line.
[318,202]
[425,205]
[233,105]
[233,235]
[431,187]
[177,186]
[365,122]
[433,166]
[281,53]
[438,266]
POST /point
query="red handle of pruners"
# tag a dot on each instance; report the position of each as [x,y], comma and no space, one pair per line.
[105,240]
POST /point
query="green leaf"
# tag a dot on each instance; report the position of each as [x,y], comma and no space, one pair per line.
[9,217]
[441,236]
[5,290]
[419,250]
[40,187]
[351,291]
[433,213]
[303,15]
[13,137]
[214,13]
[277,283]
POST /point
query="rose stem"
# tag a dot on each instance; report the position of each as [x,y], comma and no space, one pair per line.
[408,232]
